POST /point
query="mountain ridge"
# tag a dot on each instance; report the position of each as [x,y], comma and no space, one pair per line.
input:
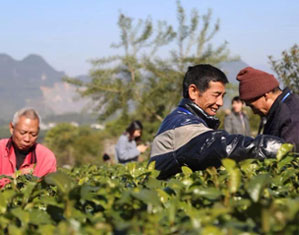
[32,81]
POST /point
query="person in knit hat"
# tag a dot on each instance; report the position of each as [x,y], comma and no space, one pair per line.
[279,108]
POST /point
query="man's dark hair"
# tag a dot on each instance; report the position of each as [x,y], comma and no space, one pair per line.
[237,99]
[200,75]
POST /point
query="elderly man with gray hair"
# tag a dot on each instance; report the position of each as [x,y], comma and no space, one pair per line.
[21,152]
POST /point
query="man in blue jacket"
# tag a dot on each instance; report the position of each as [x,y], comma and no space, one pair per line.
[188,136]
[280,108]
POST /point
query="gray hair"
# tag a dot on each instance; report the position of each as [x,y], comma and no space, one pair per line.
[30,113]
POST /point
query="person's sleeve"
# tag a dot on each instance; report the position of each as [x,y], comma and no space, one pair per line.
[289,132]
[220,144]
[239,147]
[50,166]
[126,150]
[228,124]
[210,148]
[53,166]
[3,182]
[46,164]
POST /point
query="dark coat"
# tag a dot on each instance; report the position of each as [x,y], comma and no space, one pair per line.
[187,137]
[283,118]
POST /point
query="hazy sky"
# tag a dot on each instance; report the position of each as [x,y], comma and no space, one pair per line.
[69,33]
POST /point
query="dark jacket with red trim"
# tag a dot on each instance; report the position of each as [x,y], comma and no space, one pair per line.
[188,137]
[40,161]
[283,118]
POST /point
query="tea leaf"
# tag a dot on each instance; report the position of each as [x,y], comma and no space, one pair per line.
[284,150]
[257,185]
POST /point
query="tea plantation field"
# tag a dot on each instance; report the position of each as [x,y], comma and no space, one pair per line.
[250,197]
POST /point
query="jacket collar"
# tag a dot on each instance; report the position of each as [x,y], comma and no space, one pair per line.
[33,158]
[210,121]
[280,99]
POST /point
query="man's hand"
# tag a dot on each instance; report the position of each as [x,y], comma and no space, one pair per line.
[23,171]
[26,171]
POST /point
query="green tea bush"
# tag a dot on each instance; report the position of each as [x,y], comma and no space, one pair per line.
[250,197]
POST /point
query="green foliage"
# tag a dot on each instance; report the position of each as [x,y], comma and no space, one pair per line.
[80,118]
[116,127]
[4,131]
[232,90]
[254,120]
[74,145]
[221,115]
[250,197]
[117,81]
[192,47]
[287,68]
[137,78]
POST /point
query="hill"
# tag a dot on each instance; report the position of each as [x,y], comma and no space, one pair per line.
[33,82]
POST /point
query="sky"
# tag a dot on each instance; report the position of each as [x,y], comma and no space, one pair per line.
[69,33]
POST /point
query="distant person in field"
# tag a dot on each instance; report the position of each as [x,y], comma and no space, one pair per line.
[188,136]
[127,148]
[21,152]
[279,108]
[237,121]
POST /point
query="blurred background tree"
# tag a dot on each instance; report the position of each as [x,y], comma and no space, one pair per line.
[139,83]
[192,45]
[143,81]
[60,140]
[117,82]
[73,145]
[287,68]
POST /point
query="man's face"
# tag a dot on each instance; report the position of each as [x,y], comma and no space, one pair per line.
[25,132]
[211,99]
[237,106]
[257,105]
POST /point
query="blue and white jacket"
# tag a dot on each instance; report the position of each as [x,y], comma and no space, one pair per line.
[189,137]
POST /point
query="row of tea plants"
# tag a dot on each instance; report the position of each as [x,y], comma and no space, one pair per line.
[249,197]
